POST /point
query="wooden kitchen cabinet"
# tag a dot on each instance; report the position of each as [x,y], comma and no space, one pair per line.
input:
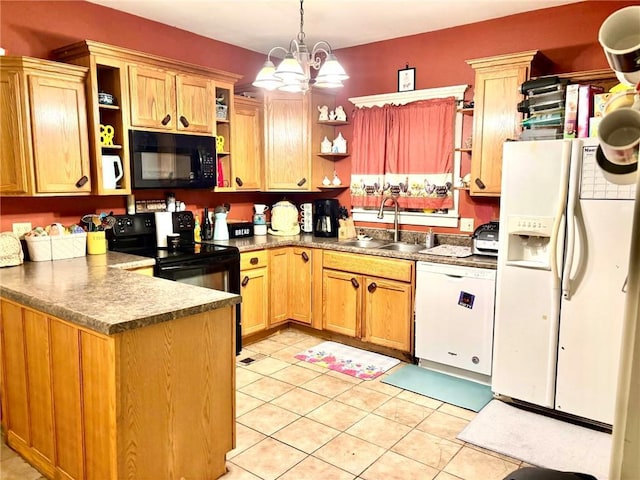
[165,100]
[291,281]
[248,150]
[254,288]
[45,140]
[496,118]
[369,297]
[74,400]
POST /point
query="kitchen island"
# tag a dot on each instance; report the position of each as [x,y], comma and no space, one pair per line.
[108,374]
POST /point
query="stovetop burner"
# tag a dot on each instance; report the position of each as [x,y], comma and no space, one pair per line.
[185,252]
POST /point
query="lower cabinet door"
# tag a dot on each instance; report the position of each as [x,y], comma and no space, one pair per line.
[387,313]
[254,288]
[341,300]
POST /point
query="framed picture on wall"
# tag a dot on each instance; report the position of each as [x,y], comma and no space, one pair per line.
[407,79]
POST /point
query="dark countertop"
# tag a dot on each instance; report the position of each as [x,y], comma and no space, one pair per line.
[97,291]
[308,240]
[106,300]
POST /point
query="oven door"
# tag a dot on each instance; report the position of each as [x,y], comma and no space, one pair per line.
[219,272]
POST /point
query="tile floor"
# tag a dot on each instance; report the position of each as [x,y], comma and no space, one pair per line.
[298,421]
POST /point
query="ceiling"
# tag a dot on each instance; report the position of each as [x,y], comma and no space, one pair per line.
[259,25]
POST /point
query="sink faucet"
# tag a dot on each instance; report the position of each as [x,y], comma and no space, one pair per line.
[395,213]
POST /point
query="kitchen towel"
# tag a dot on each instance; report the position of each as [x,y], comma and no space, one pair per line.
[453,390]
[349,360]
[539,440]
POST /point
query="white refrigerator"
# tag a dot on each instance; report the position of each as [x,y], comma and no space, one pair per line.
[565,234]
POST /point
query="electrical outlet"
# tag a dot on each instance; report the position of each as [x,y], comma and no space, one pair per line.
[466,224]
[21,228]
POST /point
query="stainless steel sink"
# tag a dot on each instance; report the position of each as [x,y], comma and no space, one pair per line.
[364,243]
[403,247]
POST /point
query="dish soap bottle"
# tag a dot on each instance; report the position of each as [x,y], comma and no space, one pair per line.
[196,230]
[430,239]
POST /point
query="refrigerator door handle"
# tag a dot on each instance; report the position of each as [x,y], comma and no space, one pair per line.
[559,214]
[572,198]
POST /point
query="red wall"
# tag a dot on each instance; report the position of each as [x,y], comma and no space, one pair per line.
[566,35]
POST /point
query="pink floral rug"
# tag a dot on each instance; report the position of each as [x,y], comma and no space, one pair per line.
[349,360]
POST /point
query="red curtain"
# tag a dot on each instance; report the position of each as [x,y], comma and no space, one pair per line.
[404,150]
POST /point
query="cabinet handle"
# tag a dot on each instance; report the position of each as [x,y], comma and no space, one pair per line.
[305,257]
[372,287]
[355,283]
[184,121]
[480,184]
[239,181]
[245,280]
[253,261]
[302,182]
[166,119]
[82,181]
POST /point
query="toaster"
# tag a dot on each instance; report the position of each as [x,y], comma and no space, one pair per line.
[485,239]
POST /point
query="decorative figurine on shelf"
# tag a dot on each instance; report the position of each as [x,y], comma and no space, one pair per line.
[336,180]
[332,115]
[220,144]
[106,135]
[325,146]
[324,113]
[341,115]
[339,144]
[325,181]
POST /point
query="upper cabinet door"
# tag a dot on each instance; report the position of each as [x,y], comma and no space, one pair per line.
[195,104]
[247,144]
[13,168]
[152,98]
[60,135]
[288,158]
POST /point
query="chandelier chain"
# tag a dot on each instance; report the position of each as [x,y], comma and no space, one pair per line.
[301,33]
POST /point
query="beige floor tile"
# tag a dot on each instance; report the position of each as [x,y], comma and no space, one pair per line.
[392,466]
[300,401]
[379,431]
[471,464]
[349,453]
[295,375]
[345,377]
[234,472]
[428,402]
[377,385]
[327,386]
[312,468]
[428,449]
[306,435]
[15,468]
[267,418]
[289,337]
[244,377]
[446,476]
[267,366]
[308,342]
[245,403]
[267,388]
[288,354]
[403,411]
[269,459]
[363,398]
[457,411]
[443,425]
[245,438]
[312,366]
[337,415]
[267,346]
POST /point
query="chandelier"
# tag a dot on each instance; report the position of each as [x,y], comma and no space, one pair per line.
[294,72]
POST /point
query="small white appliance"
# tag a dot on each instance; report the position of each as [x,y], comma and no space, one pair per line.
[485,239]
[164,227]
[111,171]
[562,266]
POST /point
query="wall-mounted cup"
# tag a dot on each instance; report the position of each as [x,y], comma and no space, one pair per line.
[619,135]
[619,36]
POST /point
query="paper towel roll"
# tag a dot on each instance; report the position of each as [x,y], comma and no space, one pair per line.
[164,227]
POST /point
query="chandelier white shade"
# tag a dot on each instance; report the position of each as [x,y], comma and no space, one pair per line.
[293,74]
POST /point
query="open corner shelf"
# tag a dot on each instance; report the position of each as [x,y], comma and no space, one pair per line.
[333,187]
[334,123]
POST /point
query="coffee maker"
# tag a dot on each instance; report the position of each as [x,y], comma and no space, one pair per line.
[325,217]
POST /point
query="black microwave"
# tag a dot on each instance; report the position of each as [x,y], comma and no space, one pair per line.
[171,160]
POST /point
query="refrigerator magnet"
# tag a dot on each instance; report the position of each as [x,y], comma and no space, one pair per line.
[466,300]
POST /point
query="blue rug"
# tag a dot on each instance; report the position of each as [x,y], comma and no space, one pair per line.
[453,390]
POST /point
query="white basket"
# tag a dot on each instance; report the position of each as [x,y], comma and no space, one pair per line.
[68,246]
[39,248]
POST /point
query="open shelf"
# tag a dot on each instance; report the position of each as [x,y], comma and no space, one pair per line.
[111,147]
[332,187]
[466,150]
[334,123]
[465,111]
[108,107]
[334,155]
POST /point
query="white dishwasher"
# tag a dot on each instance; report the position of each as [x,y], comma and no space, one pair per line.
[454,316]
